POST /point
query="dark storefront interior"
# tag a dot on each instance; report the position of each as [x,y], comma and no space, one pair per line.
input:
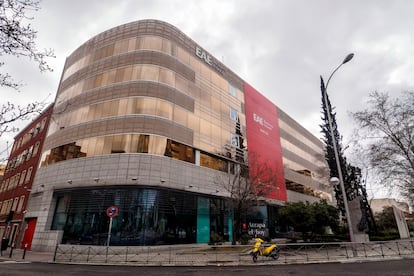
[147,216]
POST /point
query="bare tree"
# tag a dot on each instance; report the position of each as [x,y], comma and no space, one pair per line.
[386,135]
[246,187]
[10,113]
[17,38]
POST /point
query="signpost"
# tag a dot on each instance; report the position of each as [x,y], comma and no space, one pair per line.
[111,212]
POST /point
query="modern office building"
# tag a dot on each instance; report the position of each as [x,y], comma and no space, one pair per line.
[148,128]
[305,169]
[15,227]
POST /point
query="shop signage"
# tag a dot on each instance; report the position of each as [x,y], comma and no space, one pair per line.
[257,229]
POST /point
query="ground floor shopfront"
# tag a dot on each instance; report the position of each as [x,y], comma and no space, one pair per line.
[150,216]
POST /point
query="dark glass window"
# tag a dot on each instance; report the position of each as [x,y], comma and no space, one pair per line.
[143,143]
[213,162]
[179,151]
[146,216]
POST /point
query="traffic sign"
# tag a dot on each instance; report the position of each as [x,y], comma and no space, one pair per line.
[112,211]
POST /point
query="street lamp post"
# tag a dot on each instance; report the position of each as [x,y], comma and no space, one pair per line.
[335,147]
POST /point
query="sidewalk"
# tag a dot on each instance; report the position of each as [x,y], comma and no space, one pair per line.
[29,256]
[205,255]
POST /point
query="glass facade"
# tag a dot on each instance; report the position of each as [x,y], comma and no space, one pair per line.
[146,216]
[216,115]
[127,143]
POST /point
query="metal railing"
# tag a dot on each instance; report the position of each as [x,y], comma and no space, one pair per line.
[309,252]
[198,255]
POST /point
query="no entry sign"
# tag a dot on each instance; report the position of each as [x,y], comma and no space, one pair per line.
[112,211]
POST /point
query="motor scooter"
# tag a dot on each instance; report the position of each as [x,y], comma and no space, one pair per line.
[271,251]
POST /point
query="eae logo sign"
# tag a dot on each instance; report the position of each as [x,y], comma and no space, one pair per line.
[209,60]
[262,122]
[204,56]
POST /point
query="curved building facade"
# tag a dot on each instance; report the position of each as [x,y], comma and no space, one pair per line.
[148,121]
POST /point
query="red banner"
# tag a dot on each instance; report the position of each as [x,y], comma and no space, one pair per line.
[263,140]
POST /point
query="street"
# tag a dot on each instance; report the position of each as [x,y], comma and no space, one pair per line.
[396,267]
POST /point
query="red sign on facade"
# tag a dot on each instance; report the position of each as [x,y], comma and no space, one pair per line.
[263,138]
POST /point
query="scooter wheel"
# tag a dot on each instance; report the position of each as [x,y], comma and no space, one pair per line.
[275,254]
[254,256]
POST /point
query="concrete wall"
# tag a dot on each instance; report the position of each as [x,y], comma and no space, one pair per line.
[46,240]
[401,223]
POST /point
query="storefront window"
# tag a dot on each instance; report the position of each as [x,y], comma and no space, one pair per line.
[146,216]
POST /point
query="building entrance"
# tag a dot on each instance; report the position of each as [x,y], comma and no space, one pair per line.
[28,233]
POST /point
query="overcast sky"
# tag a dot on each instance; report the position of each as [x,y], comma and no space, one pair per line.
[280,47]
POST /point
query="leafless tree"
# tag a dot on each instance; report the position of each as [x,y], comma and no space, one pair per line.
[245,188]
[17,38]
[386,133]
[10,113]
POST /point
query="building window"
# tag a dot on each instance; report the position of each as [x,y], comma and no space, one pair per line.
[36,148]
[16,181]
[179,151]
[119,144]
[232,90]
[23,176]
[8,182]
[19,143]
[157,145]
[9,205]
[235,140]
[42,126]
[20,206]
[29,175]
[15,201]
[32,132]
[3,186]
[37,129]
[213,162]
[3,205]
[29,153]
[233,114]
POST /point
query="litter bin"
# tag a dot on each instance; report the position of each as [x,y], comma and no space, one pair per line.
[4,244]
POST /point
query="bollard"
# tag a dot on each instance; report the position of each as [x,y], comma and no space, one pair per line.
[11,250]
[24,251]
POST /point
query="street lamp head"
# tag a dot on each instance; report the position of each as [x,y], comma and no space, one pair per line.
[334,180]
[348,58]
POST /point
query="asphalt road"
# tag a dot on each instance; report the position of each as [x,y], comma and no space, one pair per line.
[394,268]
